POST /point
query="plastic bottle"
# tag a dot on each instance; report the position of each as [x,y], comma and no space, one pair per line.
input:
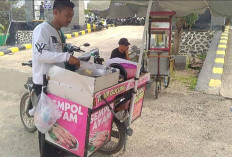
[91,58]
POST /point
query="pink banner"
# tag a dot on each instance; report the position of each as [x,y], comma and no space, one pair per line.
[142,80]
[100,128]
[69,132]
[138,103]
[110,93]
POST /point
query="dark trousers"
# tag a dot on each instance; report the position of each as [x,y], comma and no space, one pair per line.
[48,150]
[41,16]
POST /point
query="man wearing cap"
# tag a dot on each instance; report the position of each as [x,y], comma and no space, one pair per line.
[122,50]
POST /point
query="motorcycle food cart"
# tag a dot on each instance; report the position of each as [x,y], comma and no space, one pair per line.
[159,47]
[86,104]
[86,122]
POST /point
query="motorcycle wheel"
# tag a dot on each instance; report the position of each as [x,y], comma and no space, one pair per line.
[117,139]
[27,120]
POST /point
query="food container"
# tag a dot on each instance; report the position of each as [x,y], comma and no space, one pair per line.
[130,69]
[127,68]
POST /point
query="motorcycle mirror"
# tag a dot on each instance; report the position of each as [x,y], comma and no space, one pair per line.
[86,44]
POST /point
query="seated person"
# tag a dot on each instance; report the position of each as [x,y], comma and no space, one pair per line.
[122,50]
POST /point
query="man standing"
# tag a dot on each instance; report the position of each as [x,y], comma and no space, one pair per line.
[48,49]
[122,50]
[41,11]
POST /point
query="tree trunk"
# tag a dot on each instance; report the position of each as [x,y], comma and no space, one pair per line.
[227,21]
[177,35]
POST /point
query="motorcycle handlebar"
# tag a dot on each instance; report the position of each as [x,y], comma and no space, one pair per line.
[76,49]
[27,64]
[72,48]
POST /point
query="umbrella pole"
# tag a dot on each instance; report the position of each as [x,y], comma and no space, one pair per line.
[139,67]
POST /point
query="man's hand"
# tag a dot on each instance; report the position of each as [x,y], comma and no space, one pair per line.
[127,48]
[74,61]
[127,53]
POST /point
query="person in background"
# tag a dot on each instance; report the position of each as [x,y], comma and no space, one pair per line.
[41,11]
[122,50]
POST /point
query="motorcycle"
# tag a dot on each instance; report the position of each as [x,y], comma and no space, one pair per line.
[29,99]
[101,24]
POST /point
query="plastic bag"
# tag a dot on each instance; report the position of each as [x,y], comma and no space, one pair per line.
[46,113]
[93,70]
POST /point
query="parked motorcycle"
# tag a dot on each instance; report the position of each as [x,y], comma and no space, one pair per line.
[29,99]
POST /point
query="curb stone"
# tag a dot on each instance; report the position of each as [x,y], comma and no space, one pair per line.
[90,28]
[216,77]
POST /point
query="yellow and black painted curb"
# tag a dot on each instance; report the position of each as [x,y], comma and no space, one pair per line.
[216,77]
[90,28]
[15,49]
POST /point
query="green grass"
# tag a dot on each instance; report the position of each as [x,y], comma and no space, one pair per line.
[201,56]
[188,81]
[192,81]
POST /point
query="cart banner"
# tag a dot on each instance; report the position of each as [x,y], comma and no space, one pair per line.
[100,128]
[69,132]
[110,93]
[138,104]
[142,80]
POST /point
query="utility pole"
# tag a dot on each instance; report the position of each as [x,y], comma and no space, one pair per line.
[29,10]
[79,16]
[10,15]
[33,4]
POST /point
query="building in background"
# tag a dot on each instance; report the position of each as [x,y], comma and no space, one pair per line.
[33,7]
[21,31]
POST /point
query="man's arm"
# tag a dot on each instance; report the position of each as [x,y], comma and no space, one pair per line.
[42,46]
[127,54]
